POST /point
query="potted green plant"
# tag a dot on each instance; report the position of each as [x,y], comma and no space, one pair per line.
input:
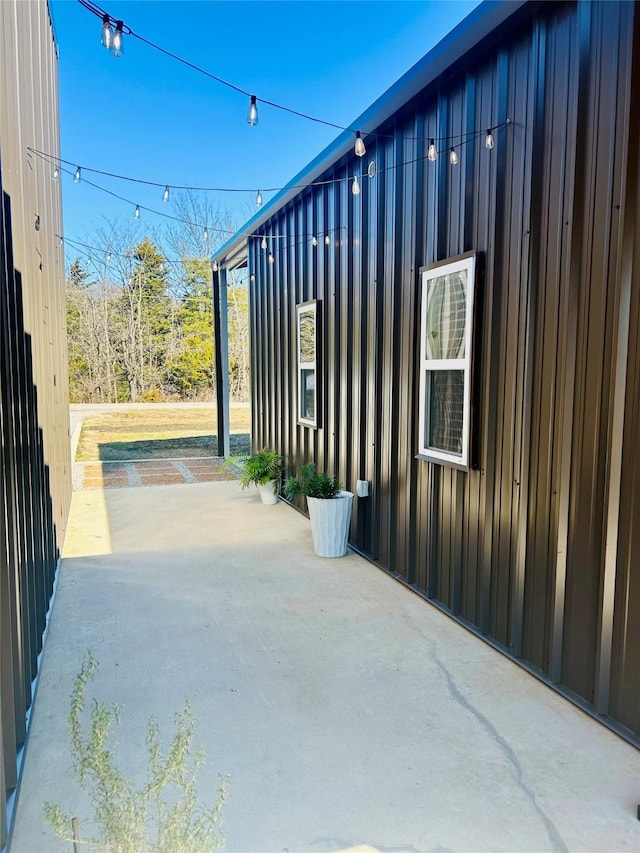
[263,469]
[329,509]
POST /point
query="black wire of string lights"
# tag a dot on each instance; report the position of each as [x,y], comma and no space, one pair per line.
[265,238]
[108,253]
[87,252]
[432,154]
[113,31]
[453,141]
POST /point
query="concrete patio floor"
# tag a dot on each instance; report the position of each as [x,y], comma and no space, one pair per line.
[344,710]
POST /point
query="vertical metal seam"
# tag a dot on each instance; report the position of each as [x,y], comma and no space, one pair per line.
[623,267]
[533,267]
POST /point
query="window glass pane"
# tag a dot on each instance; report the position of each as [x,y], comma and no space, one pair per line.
[308,394]
[307,340]
[445,406]
[446,313]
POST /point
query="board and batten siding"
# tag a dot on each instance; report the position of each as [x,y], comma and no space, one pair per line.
[35,464]
[537,548]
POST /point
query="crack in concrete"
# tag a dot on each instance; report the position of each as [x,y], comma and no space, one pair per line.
[554,836]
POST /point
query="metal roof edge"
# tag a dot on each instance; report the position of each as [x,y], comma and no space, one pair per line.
[52,22]
[477,25]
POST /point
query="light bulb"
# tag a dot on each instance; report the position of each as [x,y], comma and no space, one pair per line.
[371,171]
[360,150]
[314,241]
[453,157]
[136,212]
[61,241]
[165,195]
[259,199]
[77,176]
[433,151]
[327,240]
[56,173]
[252,276]
[106,34]
[252,115]
[206,235]
[117,46]
[488,142]
[263,245]
[271,258]
[107,257]
[215,266]
[355,186]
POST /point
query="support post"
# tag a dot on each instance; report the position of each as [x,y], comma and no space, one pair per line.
[221,344]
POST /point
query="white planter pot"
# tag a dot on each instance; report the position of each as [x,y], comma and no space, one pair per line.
[330,521]
[268,492]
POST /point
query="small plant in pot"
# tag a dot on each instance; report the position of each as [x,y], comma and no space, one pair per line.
[329,509]
[263,469]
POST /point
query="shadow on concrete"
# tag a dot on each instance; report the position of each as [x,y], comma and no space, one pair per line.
[170,448]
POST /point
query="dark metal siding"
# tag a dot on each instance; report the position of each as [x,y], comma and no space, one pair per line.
[35,468]
[523,546]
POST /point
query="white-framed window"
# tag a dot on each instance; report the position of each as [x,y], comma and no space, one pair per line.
[307,347]
[446,348]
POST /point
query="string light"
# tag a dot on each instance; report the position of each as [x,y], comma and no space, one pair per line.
[215,266]
[263,244]
[371,172]
[432,155]
[360,150]
[488,142]
[224,231]
[205,234]
[107,258]
[252,115]
[165,195]
[271,258]
[106,33]
[117,47]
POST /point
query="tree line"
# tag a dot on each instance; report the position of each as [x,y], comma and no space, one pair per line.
[140,318]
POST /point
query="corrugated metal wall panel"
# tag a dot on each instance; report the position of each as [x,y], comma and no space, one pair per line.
[515,546]
[35,463]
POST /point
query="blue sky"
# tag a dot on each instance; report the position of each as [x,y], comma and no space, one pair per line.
[147,116]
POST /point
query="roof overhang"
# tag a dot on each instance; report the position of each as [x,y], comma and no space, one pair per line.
[467,36]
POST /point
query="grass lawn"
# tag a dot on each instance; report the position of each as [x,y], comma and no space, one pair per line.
[159,434]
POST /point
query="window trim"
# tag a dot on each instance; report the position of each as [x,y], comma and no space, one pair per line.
[305,307]
[427,366]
